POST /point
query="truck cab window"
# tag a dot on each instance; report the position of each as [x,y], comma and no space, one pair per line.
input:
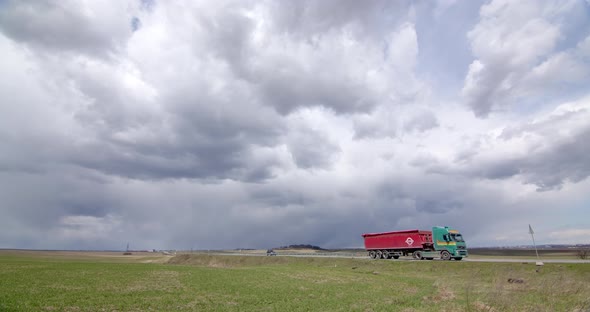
[457,237]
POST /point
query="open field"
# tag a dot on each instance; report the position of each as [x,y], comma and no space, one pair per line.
[93,281]
[94,256]
[474,253]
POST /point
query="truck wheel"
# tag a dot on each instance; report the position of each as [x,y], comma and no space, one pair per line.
[445,255]
[417,255]
[379,254]
[372,254]
[458,258]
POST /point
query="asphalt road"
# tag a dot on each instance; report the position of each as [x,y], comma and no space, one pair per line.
[526,260]
[495,259]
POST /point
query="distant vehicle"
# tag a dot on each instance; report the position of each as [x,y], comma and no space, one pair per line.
[270,252]
[441,242]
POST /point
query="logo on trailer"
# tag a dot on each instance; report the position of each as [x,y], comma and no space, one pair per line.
[409,241]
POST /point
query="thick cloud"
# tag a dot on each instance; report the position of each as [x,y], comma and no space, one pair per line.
[545,152]
[255,124]
[557,151]
[421,122]
[96,28]
[520,52]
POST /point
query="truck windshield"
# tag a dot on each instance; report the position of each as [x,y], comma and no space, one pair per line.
[457,237]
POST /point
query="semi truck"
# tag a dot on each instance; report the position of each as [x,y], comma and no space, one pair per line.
[442,242]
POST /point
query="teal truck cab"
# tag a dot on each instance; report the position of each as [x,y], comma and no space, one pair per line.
[447,243]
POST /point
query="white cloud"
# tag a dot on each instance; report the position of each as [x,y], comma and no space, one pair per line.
[256,124]
[403,48]
[515,48]
[566,67]
[546,151]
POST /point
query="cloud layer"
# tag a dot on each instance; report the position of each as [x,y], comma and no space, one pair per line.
[259,123]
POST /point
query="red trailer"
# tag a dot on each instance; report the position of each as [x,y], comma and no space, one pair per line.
[398,243]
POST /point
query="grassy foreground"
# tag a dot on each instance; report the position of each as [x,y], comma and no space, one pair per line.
[42,282]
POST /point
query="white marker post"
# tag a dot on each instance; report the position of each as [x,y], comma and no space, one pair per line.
[533,236]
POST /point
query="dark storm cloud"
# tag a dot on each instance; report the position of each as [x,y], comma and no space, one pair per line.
[298,87]
[189,131]
[301,213]
[280,197]
[197,132]
[188,140]
[290,71]
[436,205]
[61,26]
[560,156]
[566,160]
[308,18]
[201,159]
[228,34]
[33,205]
[310,149]
[228,124]
[431,195]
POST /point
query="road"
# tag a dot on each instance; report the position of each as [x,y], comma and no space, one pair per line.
[356,256]
[526,260]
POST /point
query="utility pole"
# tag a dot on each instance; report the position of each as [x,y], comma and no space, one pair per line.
[534,244]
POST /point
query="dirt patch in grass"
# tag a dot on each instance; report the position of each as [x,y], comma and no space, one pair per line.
[157,280]
[216,261]
[316,278]
[443,293]
[480,306]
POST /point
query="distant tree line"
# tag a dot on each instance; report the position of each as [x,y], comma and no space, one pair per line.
[301,246]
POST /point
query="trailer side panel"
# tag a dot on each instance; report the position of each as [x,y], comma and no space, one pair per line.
[398,240]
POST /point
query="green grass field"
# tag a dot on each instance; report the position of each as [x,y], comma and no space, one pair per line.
[44,281]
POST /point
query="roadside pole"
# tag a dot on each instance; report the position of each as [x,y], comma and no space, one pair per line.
[534,244]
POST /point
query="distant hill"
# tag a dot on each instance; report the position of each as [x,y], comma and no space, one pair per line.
[300,246]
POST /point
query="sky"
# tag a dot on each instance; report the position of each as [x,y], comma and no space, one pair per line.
[256,124]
